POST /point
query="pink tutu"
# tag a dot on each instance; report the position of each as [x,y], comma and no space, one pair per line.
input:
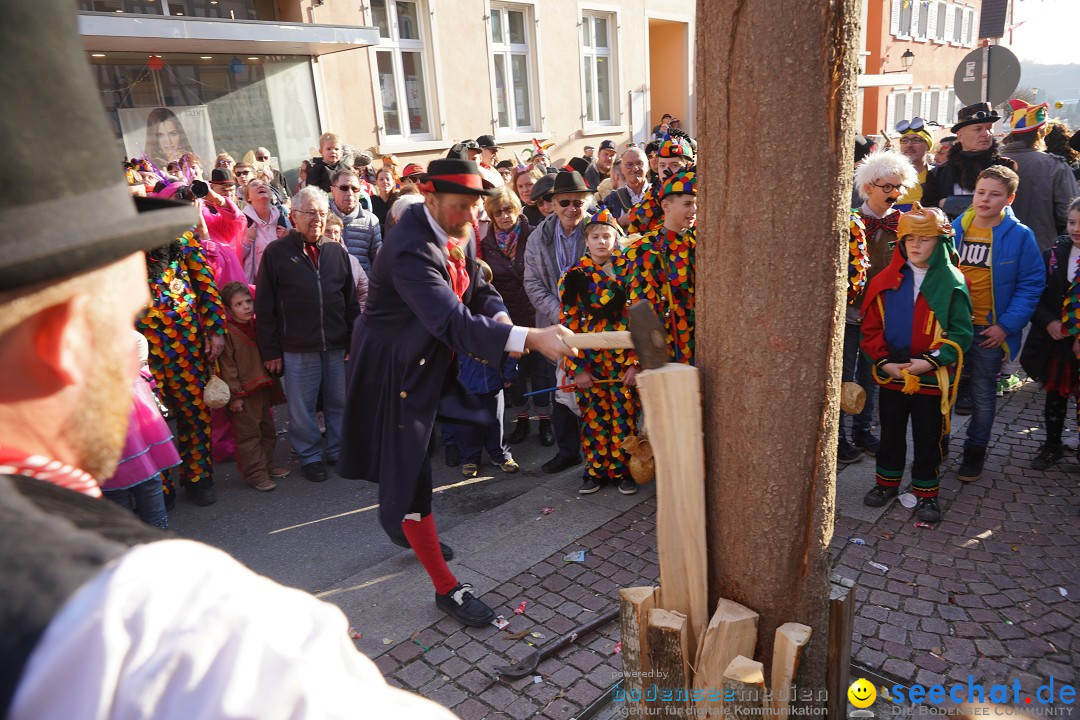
[149,448]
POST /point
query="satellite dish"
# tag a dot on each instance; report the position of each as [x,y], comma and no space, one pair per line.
[1004,76]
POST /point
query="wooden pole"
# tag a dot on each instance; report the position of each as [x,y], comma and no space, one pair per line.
[776,97]
[743,693]
[668,660]
[634,606]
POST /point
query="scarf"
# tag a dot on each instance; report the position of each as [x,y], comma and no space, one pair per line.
[508,241]
[455,265]
[13,462]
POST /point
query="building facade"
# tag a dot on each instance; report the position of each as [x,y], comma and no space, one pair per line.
[404,77]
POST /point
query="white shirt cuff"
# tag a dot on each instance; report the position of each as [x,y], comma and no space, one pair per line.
[515,343]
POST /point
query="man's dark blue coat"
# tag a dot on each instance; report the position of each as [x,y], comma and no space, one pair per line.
[400,375]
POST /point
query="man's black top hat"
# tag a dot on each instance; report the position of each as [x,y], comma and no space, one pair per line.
[581,165]
[471,144]
[455,176]
[457,152]
[487,142]
[978,113]
[570,181]
[59,224]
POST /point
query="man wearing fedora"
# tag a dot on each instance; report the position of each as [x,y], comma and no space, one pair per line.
[100,614]
[427,302]
[489,158]
[556,244]
[951,185]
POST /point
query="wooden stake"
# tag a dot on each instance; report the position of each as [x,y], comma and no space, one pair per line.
[791,639]
[732,632]
[634,606]
[669,664]
[743,691]
[671,398]
[841,623]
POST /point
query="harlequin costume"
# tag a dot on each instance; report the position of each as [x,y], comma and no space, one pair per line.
[184,311]
[594,300]
[912,313]
[659,268]
[647,216]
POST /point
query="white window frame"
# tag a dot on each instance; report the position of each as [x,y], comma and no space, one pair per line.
[897,12]
[970,29]
[396,46]
[941,21]
[528,49]
[956,36]
[917,97]
[611,15]
[920,11]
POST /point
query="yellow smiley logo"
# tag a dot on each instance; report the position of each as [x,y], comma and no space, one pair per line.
[862,693]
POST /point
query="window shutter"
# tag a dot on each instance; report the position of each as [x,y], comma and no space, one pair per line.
[949,22]
[890,112]
[971,28]
[931,20]
[916,104]
[916,13]
[894,19]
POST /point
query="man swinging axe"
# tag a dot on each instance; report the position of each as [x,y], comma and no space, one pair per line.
[427,301]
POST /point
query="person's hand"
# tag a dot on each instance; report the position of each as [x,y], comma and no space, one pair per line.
[994,337]
[918,366]
[215,198]
[1053,328]
[274,367]
[629,378]
[583,380]
[549,342]
[281,231]
[214,345]
[237,405]
[893,369]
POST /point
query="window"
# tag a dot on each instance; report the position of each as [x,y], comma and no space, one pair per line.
[916,105]
[400,62]
[958,25]
[219,9]
[969,27]
[935,106]
[597,67]
[923,10]
[896,109]
[942,9]
[512,67]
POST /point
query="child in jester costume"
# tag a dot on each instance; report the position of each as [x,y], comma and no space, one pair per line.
[659,266]
[916,328]
[674,156]
[594,300]
[185,327]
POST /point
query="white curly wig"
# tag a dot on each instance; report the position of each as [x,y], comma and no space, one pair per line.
[882,164]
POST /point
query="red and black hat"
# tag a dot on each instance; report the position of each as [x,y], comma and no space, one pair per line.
[455,176]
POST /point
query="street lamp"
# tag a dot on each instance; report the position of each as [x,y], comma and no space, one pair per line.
[906,61]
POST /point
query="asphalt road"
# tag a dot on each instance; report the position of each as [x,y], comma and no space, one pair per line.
[313,535]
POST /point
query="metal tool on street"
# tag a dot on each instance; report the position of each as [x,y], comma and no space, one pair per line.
[527,665]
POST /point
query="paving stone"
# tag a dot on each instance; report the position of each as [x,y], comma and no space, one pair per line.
[472,709]
[899,668]
[521,709]
[415,674]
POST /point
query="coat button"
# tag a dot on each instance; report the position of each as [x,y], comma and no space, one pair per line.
[423,360]
[404,394]
[483,362]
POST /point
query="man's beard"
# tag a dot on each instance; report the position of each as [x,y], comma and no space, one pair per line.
[97,429]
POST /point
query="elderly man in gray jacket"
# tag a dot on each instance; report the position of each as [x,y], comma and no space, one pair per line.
[554,246]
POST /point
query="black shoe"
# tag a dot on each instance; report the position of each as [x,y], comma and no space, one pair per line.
[453,456]
[972,466]
[927,510]
[963,407]
[447,551]
[463,605]
[627,486]
[315,472]
[867,443]
[588,486]
[846,454]
[521,431]
[1049,454]
[879,495]
[201,493]
[559,463]
[547,435]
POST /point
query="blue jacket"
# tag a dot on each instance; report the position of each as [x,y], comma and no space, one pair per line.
[480,379]
[1018,275]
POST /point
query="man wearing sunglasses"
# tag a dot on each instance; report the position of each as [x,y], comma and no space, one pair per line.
[951,186]
[362,233]
[915,144]
[556,244]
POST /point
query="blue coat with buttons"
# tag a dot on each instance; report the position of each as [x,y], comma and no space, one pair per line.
[401,373]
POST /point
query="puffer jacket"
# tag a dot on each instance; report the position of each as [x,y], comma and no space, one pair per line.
[362,234]
[508,276]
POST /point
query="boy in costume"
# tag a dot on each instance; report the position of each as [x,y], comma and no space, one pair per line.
[675,155]
[916,329]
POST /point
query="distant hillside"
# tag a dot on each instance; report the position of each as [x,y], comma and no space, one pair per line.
[1055,82]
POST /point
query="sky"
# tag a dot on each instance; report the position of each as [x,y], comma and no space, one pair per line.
[1050,32]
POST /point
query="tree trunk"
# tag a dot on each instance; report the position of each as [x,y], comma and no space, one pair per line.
[776,80]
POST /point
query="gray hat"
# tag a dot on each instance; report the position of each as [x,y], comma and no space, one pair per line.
[544,186]
[58,224]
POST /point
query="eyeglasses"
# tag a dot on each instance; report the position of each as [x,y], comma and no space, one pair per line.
[348,188]
[226,163]
[912,140]
[321,214]
[504,211]
[566,203]
[887,187]
[262,158]
[914,125]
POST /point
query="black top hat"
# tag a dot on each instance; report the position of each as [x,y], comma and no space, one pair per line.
[222,176]
[607,145]
[457,152]
[487,142]
[543,186]
[581,165]
[570,181]
[455,176]
[863,147]
[978,113]
[60,224]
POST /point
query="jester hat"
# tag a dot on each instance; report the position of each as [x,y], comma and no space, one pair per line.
[675,147]
[683,182]
[603,216]
[1026,118]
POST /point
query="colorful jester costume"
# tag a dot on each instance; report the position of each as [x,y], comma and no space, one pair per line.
[659,268]
[184,310]
[593,300]
[647,216]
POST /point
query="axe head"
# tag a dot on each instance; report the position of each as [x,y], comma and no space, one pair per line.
[648,335]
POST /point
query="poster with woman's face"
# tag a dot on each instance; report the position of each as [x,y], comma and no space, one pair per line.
[164,134]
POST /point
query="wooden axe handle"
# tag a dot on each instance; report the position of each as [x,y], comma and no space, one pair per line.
[613,340]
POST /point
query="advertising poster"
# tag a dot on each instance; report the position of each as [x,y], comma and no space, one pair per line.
[164,134]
